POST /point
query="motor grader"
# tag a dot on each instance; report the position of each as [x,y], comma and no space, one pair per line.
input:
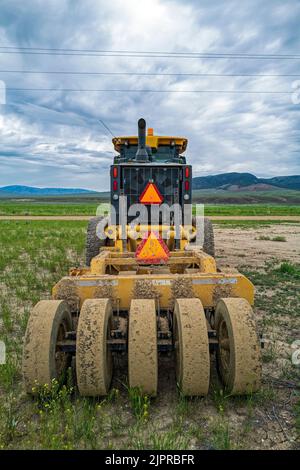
[147,290]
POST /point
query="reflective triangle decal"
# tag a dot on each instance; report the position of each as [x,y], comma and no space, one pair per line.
[151,195]
[152,250]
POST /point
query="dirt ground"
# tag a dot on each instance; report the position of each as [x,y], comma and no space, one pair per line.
[249,249]
[236,243]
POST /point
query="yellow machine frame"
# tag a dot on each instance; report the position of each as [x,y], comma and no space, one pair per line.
[117,273]
[133,236]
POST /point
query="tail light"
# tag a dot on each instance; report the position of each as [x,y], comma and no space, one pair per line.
[187,185]
[187,172]
[115,172]
[115,185]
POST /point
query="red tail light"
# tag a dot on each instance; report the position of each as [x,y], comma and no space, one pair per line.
[115,185]
[187,185]
[187,172]
[115,172]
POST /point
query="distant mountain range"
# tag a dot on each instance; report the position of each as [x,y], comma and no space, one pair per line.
[245,182]
[225,181]
[28,191]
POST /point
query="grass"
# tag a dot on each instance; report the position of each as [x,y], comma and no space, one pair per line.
[221,436]
[220,400]
[37,208]
[289,269]
[277,286]
[264,396]
[183,405]
[278,238]
[251,209]
[139,403]
[52,207]
[270,353]
[34,255]
[168,441]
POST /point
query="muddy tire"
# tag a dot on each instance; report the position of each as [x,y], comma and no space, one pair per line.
[142,346]
[42,359]
[93,242]
[94,363]
[209,239]
[238,354]
[191,347]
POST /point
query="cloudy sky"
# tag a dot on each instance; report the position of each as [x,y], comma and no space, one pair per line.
[54,138]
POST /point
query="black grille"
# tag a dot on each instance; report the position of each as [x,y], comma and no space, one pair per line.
[135,180]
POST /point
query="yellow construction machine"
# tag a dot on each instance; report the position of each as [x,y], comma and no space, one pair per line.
[148,289]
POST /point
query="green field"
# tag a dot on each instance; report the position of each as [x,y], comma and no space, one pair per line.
[43,208]
[251,209]
[34,255]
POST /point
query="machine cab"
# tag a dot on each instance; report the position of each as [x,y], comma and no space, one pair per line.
[153,165]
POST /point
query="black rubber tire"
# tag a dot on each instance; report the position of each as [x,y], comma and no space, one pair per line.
[42,360]
[94,362]
[209,239]
[191,347]
[93,242]
[239,353]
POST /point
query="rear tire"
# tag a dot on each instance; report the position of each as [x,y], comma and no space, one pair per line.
[192,348]
[43,360]
[93,242]
[238,354]
[209,239]
[94,362]
[142,346]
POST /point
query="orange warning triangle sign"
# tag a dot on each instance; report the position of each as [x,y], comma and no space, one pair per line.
[151,195]
[152,250]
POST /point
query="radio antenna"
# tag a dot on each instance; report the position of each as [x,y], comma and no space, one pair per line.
[106,127]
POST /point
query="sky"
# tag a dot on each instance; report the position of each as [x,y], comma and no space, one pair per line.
[55,139]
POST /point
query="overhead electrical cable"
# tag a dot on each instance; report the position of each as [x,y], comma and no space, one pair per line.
[149,90]
[158,74]
[153,54]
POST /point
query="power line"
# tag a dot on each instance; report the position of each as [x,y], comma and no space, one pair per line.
[154,53]
[158,74]
[124,51]
[140,54]
[150,91]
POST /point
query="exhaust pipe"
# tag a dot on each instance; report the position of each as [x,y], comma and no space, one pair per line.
[142,154]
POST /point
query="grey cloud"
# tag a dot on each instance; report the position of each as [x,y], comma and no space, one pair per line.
[55,138]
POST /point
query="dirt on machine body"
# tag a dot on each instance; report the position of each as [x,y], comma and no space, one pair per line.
[147,290]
